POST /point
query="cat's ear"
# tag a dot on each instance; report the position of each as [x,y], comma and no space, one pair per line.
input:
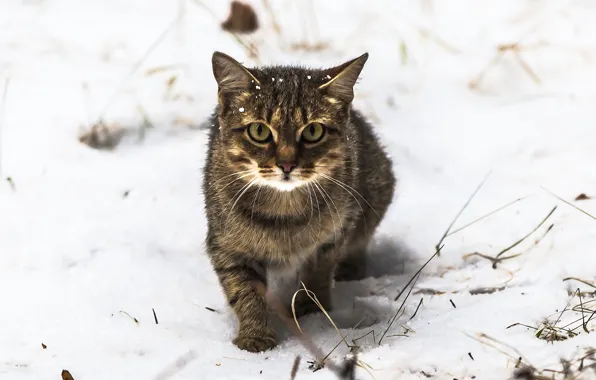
[230,74]
[343,79]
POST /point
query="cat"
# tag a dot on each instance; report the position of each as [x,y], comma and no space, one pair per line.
[295,181]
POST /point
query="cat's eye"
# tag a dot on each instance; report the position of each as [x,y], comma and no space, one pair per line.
[313,133]
[259,132]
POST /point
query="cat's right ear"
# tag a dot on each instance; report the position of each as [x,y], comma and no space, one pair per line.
[230,75]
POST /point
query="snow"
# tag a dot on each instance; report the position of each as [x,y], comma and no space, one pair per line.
[90,238]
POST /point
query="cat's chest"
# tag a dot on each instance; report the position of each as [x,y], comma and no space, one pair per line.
[282,242]
[284,229]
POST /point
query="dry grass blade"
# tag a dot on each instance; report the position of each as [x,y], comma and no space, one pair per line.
[485,216]
[515,49]
[427,33]
[138,64]
[314,299]
[318,364]
[580,280]
[500,258]
[343,339]
[274,23]
[344,371]
[129,316]
[569,203]
[279,308]
[461,211]
[527,68]
[475,83]
[413,279]
[418,272]
[581,304]
[492,259]
[521,324]
[550,331]
[528,235]
[364,336]
[416,311]
[492,342]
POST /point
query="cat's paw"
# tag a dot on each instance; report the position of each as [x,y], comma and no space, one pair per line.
[305,306]
[306,309]
[254,343]
[351,269]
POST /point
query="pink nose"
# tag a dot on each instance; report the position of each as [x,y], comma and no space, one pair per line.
[287,167]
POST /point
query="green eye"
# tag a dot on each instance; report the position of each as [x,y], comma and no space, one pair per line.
[313,132]
[259,132]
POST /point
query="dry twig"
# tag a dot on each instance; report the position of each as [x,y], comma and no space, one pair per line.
[413,279]
[499,257]
[516,49]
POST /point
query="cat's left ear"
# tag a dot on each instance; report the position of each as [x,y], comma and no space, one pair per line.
[230,74]
[343,79]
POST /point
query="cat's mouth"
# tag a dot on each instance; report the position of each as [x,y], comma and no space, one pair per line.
[284,181]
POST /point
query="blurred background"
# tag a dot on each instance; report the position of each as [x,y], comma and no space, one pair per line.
[103,139]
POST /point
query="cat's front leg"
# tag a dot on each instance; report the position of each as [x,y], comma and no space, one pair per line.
[317,276]
[242,281]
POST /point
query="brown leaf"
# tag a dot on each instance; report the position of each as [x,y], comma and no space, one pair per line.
[582,197]
[172,80]
[66,375]
[242,19]
[44,346]
[102,136]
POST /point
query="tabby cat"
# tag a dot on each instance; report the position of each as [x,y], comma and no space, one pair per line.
[295,182]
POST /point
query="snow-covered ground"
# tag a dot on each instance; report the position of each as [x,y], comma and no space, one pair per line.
[90,239]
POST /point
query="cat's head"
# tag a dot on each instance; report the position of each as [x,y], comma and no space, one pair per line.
[283,127]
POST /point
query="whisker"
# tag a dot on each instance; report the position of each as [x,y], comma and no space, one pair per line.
[319,212]
[318,186]
[252,207]
[236,180]
[311,207]
[248,186]
[226,176]
[352,195]
[341,224]
[242,190]
[338,182]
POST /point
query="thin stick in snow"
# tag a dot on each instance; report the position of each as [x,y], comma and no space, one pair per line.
[177,366]
[413,279]
[569,203]
[295,367]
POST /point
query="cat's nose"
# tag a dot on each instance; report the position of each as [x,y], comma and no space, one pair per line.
[287,167]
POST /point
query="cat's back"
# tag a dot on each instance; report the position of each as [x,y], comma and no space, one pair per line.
[376,179]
